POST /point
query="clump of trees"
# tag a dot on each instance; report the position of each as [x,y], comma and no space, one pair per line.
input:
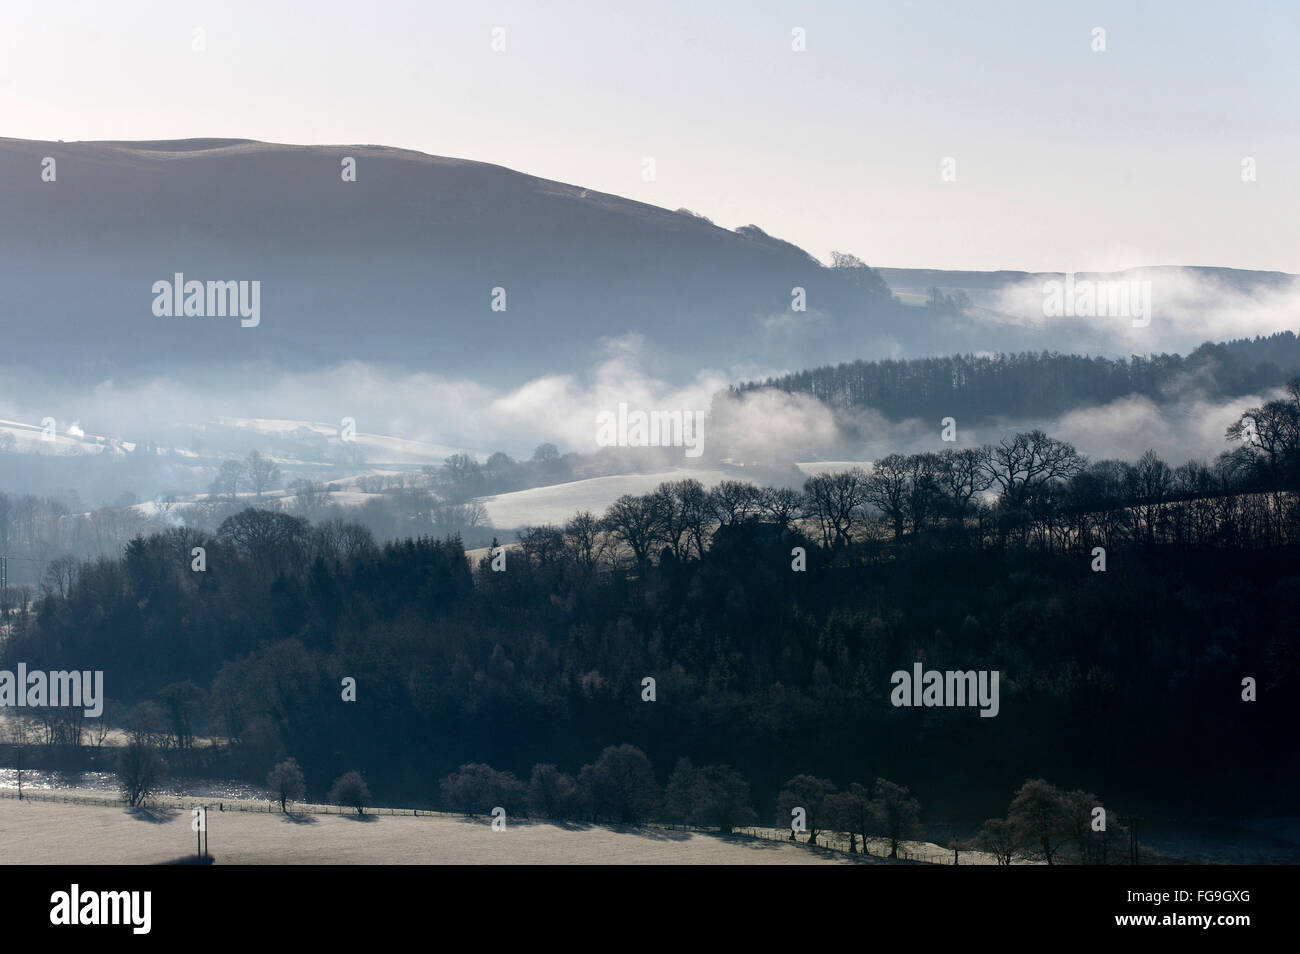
[477,788]
[710,796]
[619,787]
[350,790]
[887,810]
[1055,827]
[255,474]
[461,478]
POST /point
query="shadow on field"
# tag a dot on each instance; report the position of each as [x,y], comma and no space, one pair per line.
[566,825]
[772,844]
[653,834]
[361,818]
[293,819]
[746,841]
[154,815]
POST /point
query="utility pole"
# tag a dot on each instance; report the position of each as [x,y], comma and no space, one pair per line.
[4,572]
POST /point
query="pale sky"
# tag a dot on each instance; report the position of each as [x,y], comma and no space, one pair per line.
[1066,159]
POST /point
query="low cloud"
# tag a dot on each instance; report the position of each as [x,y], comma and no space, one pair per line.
[1188,307]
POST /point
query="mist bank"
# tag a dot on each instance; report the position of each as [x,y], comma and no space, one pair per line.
[167,437]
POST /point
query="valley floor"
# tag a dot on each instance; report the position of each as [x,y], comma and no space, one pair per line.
[50,832]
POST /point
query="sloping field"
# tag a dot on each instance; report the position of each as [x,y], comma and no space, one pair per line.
[558,502]
[34,832]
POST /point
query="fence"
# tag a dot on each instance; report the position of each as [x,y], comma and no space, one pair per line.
[917,851]
[214,804]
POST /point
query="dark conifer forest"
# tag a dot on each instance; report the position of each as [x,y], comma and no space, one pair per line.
[1033,384]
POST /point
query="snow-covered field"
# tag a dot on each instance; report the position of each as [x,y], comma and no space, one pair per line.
[63,438]
[559,502]
[814,467]
[384,446]
[33,832]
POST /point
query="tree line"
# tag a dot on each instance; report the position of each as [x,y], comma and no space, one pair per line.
[760,664]
[1035,384]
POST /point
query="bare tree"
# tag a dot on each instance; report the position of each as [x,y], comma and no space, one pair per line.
[889,490]
[286,782]
[897,813]
[1019,464]
[809,793]
[310,496]
[694,510]
[542,546]
[350,789]
[960,475]
[852,811]
[734,501]
[263,473]
[1149,483]
[1001,838]
[230,475]
[637,522]
[781,505]
[140,771]
[584,541]
[1039,817]
[18,734]
[923,496]
[181,703]
[60,574]
[674,526]
[836,501]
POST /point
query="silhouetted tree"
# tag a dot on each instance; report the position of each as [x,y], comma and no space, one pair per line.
[897,814]
[1038,814]
[809,793]
[622,785]
[140,771]
[286,782]
[350,789]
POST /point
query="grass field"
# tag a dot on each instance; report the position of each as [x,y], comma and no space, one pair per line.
[40,832]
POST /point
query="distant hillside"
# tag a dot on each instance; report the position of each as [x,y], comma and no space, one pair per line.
[398,266]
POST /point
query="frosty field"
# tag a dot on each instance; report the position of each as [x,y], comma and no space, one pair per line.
[37,832]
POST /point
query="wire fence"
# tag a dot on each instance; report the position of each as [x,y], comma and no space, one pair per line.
[915,851]
[214,804]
